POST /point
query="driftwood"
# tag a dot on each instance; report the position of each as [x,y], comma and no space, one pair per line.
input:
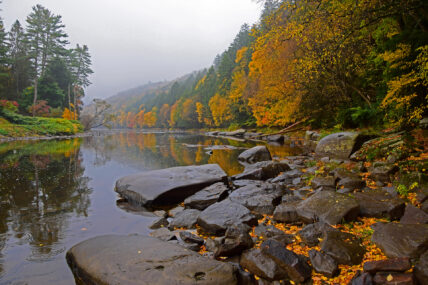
[283,131]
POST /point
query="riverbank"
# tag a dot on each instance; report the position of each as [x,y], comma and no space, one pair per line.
[355,209]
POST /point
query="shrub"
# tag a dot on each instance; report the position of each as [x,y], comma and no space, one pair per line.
[9,105]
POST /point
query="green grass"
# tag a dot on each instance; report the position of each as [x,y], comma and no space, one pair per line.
[15,125]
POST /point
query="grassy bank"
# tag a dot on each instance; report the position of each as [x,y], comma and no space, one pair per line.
[15,125]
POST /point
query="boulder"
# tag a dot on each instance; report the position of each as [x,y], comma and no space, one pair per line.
[296,267]
[394,264]
[271,232]
[219,216]
[340,145]
[413,215]
[159,223]
[236,240]
[185,219]
[207,196]
[311,234]
[288,176]
[345,248]
[382,172]
[262,170]
[323,182]
[395,278]
[168,186]
[163,234]
[323,263]
[361,278]
[421,269]
[260,264]
[174,211]
[255,154]
[287,212]
[261,198]
[329,207]
[347,179]
[379,204]
[401,240]
[134,259]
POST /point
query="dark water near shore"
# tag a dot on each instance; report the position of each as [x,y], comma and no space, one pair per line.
[54,194]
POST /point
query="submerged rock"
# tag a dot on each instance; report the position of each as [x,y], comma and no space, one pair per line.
[255,154]
[401,240]
[168,186]
[135,259]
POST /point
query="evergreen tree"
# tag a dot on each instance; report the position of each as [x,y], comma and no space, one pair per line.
[46,39]
[3,60]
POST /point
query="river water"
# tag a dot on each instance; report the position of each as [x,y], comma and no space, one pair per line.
[56,193]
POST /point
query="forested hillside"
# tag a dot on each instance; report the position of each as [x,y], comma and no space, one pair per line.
[347,63]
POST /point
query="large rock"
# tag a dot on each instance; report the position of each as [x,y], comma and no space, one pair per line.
[401,240]
[296,267]
[168,186]
[255,154]
[236,240]
[259,198]
[413,215]
[185,219]
[380,204]
[143,260]
[329,207]
[264,232]
[207,196]
[394,264]
[218,217]
[421,269]
[323,263]
[395,278]
[287,212]
[263,170]
[311,234]
[339,145]
[259,264]
[345,248]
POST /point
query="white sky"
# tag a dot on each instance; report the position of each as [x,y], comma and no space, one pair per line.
[135,41]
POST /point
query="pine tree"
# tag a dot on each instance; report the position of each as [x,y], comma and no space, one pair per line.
[4,60]
[46,39]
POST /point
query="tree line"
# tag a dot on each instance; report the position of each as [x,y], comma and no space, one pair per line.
[348,63]
[39,74]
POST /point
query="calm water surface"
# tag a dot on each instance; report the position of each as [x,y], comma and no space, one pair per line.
[54,194]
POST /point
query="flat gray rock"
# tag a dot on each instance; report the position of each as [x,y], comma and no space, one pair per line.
[207,196]
[168,186]
[135,259]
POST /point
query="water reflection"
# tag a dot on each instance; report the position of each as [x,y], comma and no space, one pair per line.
[54,194]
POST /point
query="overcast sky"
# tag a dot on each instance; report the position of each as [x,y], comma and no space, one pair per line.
[135,41]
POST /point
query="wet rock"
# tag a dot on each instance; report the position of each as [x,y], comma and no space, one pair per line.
[245,182]
[394,278]
[383,171]
[288,176]
[323,181]
[163,234]
[345,191]
[255,154]
[168,186]
[207,196]
[421,269]
[297,269]
[117,259]
[286,212]
[271,232]
[191,238]
[302,193]
[424,206]
[401,240]
[185,219]
[362,279]
[262,170]
[339,145]
[394,264]
[422,195]
[218,217]
[236,240]
[413,215]
[345,248]
[323,263]
[312,233]
[191,246]
[259,198]
[262,265]
[348,179]
[238,133]
[380,204]
[159,223]
[328,207]
[290,198]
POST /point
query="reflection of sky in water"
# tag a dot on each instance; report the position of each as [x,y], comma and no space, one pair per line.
[54,194]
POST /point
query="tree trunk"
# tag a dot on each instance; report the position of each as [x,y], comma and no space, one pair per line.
[69,100]
[35,96]
[75,106]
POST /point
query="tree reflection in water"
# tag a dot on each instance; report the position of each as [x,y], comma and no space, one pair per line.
[41,184]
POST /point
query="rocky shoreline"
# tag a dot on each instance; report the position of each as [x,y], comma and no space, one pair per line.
[327,217]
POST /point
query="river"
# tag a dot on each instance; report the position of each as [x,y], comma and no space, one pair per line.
[56,193]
